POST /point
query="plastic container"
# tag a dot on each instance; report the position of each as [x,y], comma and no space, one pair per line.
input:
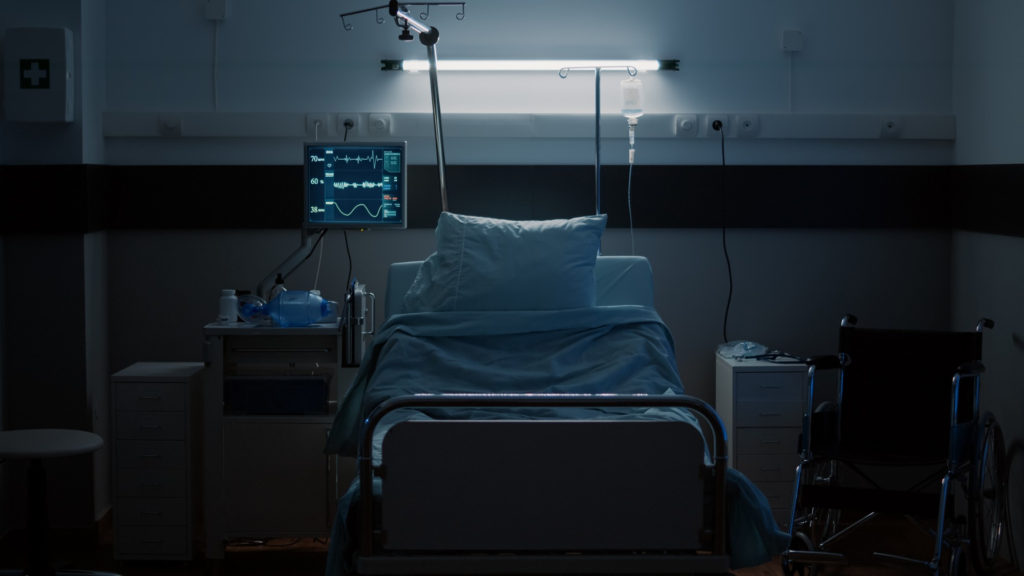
[632,97]
[228,310]
[252,309]
[298,308]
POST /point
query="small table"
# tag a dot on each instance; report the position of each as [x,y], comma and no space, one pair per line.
[35,445]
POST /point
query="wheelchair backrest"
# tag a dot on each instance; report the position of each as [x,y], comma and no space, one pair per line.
[897,392]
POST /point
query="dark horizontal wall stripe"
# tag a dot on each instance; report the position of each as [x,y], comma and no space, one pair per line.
[990,199]
[79,198]
[58,199]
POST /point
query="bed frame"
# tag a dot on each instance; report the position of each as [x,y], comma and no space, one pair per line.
[544,497]
[520,497]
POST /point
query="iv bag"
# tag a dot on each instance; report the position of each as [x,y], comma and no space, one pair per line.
[632,97]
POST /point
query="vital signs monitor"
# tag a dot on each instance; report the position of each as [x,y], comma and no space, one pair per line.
[351,185]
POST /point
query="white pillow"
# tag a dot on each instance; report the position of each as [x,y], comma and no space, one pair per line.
[493,264]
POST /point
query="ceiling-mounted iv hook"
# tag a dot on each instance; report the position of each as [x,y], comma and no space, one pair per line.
[346,25]
[425,15]
[461,14]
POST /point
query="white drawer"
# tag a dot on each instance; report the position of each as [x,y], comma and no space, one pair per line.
[766,441]
[151,396]
[153,541]
[766,414]
[146,483]
[771,386]
[151,512]
[151,425]
[151,453]
[767,467]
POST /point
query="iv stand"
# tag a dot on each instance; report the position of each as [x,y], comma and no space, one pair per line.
[563,73]
[428,37]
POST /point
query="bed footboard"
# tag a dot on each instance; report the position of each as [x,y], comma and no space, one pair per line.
[594,496]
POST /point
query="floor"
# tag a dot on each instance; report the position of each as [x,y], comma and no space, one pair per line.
[93,549]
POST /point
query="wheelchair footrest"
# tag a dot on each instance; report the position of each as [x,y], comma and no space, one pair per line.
[815,557]
[916,503]
[896,558]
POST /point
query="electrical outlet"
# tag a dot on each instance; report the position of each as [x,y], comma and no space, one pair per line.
[891,128]
[379,124]
[217,10]
[747,125]
[348,124]
[316,125]
[169,125]
[686,125]
[712,120]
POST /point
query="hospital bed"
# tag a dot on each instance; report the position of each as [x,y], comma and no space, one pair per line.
[520,411]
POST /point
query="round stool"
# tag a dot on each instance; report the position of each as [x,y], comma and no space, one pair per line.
[36,445]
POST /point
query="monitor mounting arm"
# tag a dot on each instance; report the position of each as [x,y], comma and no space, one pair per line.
[307,244]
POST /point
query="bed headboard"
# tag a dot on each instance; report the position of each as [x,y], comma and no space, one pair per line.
[620,280]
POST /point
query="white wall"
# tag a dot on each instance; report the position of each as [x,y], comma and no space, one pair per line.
[988,270]
[46,142]
[988,83]
[266,59]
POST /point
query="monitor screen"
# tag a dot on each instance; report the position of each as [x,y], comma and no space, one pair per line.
[355,185]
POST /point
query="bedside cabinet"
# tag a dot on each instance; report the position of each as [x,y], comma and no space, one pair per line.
[156,428]
[761,405]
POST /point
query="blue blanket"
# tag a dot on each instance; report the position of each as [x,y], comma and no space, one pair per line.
[599,350]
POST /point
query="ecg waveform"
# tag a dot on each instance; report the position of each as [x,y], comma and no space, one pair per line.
[354,208]
[373,159]
[365,184]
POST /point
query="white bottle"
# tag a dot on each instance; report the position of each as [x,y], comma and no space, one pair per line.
[228,311]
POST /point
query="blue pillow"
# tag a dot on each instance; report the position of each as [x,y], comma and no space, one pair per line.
[492,264]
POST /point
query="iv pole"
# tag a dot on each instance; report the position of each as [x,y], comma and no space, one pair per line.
[428,37]
[563,73]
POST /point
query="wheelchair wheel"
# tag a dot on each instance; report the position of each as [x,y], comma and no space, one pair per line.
[986,508]
[801,541]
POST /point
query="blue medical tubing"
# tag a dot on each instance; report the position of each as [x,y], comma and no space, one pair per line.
[365,454]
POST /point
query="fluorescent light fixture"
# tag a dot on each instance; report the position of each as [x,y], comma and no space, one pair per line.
[528,65]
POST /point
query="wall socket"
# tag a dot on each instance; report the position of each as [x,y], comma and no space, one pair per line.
[344,118]
[316,125]
[686,125]
[379,125]
[891,128]
[747,125]
[709,125]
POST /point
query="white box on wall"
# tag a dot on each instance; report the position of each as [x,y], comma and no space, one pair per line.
[38,81]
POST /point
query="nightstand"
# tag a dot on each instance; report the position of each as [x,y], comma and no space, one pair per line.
[156,427]
[761,405]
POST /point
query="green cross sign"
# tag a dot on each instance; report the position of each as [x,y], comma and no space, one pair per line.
[35,74]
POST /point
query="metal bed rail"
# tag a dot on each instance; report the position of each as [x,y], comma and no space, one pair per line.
[711,423]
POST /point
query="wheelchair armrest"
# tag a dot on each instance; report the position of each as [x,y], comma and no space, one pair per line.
[828,362]
[970,369]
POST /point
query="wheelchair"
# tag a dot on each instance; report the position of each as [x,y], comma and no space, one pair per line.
[903,438]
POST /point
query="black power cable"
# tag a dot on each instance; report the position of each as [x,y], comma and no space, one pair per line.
[718,127]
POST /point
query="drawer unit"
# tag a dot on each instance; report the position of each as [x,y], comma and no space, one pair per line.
[268,403]
[761,405]
[156,434]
